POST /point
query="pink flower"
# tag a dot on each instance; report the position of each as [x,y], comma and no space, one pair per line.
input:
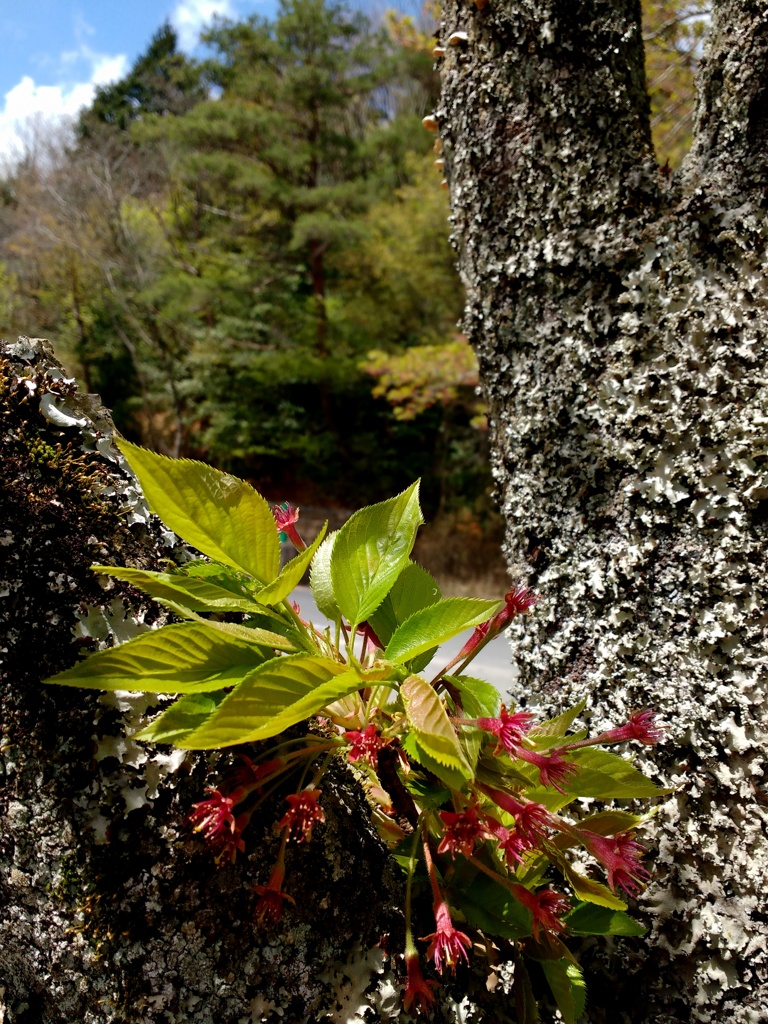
[226,845]
[417,990]
[286,517]
[269,909]
[641,726]
[304,813]
[447,944]
[546,906]
[462,831]
[513,844]
[620,856]
[365,746]
[510,729]
[249,776]
[554,770]
[214,815]
[516,601]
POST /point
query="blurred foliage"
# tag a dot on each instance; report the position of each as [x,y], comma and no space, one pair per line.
[673,32]
[426,375]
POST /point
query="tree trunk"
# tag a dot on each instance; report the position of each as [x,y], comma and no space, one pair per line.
[620,323]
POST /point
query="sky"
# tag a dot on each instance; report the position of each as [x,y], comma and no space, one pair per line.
[53,53]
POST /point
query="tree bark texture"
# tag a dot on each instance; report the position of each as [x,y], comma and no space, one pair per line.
[111,909]
[620,322]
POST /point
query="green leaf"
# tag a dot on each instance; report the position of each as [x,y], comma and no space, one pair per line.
[479,699]
[435,624]
[189,592]
[427,793]
[604,823]
[183,716]
[190,657]
[370,552]
[491,907]
[275,696]
[450,777]
[218,514]
[431,726]
[291,575]
[223,576]
[413,590]
[568,987]
[248,632]
[601,774]
[321,582]
[589,890]
[589,919]
[557,727]
[607,776]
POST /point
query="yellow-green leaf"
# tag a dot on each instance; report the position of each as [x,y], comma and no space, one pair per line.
[197,595]
[270,699]
[189,657]
[221,516]
[370,552]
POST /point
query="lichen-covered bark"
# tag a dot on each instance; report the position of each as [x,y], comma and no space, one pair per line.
[620,321]
[111,910]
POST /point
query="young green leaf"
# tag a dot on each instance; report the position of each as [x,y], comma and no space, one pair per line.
[451,777]
[435,624]
[370,552]
[189,657]
[589,919]
[413,590]
[557,727]
[183,716]
[194,594]
[272,698]
[490,906]
[480,699]
[218,514]
[607,776]
[431,726]
[568,987]
[601,774]
[290,577]
[320,579]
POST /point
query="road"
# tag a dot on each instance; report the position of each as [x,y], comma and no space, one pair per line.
[493,663]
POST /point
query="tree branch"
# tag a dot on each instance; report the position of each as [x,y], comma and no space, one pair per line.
[730,149]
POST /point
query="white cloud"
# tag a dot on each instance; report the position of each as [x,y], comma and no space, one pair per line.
[28,103]
[190,17]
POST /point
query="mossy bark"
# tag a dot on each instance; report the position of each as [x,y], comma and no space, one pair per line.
[620,322]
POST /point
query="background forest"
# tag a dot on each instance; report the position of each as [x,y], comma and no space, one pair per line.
[248,258]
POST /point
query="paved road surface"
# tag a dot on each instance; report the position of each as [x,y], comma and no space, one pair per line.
[493,663]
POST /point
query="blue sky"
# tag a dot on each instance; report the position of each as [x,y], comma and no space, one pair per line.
[55,52]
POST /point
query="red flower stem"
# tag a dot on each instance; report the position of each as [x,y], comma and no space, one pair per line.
[436,894]
[410,945]
[472,654]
